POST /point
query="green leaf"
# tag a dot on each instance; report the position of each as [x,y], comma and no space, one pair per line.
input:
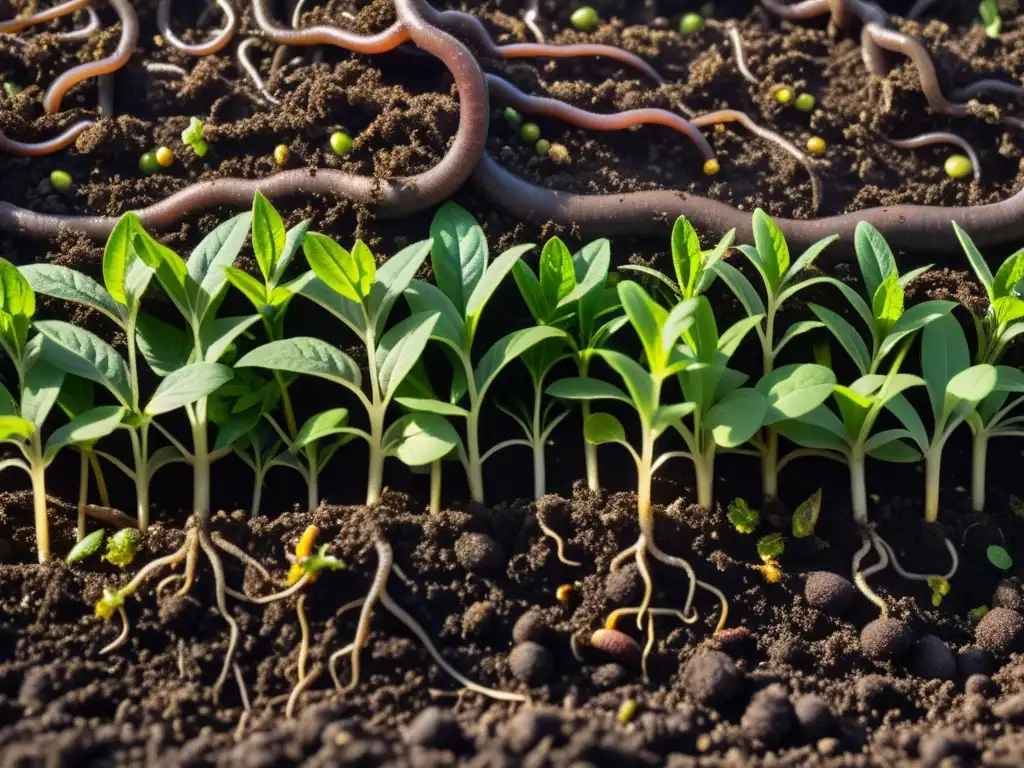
[349,311]
[459,253]
[40,392]
[450,329]
[736,417]
[491,279]
[15,426]
[847,336]
[122,547]
[639,383]
[989,12]
[874,256]
[237,426]
[83,353]
[248,286]
[648,318]
[529,289]
[507,349]
[137,281]
[854,409]
[591,265]
[292,243]
[670,415]
[319,426]
[88,427]
[741,288]
[686,256]
[586,389]
[428,405]
[268,236]
[7,405]
[794,390]
[420,438]
[743,517]
[888,445]
[912,320]
[304,354]
[76,396]
[796,329]
[603,428]
[187,385]
[118,254]
[557,273]
[393,278]
[401,348]
[887,305]
[219,334]
[733,336]
[771,546]
[679,321]
[812,436]
[350,274]
[999,557]
[70,285]
[16,296]
[771,248]
[978,263]
[805,518]
[171,272]
[88,546]
[164,347]
[807,258]
[708,274]
[217,250]
[1007,309]
[901,408]
[944,353]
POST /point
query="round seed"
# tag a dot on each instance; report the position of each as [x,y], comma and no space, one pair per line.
[164,157]
[61,180]
[530,133]
[691,24]
[341,143]
[617,645]
[543,147]
[805,102]
[513,116]
[816,145]
[585,19]
[281,154]
[958,166]
[784,95]
[712,167]
[148,163]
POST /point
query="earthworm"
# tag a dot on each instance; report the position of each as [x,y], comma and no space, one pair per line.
[904,226]
[83,33]
[530,19]
[319,34]
[548,107]
[802,11]
[61,9]
[737,47]
[918,8]
[252,72]
[163,68]
[941,137]
[125,46]
[389,197]
[989,85]
[220,38]
[37,149]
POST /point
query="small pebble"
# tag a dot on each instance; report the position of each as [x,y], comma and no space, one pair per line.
[528,726]
[885,639]
[769,716]
[609,676]
[531,627]
[931,658]
[936,747]
[1007,594]
[734,641]
[1001,631]
[711,677]
[434,727]
[1011,709]
[34,689]
[973,661]
[623,586]
[478,620]
[531,663]
[828,592]
[828,746]
[479,553]
[981,685]
[814,717]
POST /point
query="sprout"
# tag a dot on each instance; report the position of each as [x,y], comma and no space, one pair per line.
[989,12]
[743,517]
[193,133]
[542,147]
[122,547]
[999,557]
[108,604]
[86,547]
[341,143]
[939,587]
[530,133]
[691,24]
[61,180]
[805,518]
[513,117]
[11,88]
[958,166]
[975,615]
[771,546]
[585,19]
[627,710]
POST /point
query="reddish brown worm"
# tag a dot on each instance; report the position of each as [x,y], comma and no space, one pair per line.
[389,39]
[61,9]
[388,197]
[941,137]
[37,149]
[125,47]
[908,227]
[221,38]
[83,32]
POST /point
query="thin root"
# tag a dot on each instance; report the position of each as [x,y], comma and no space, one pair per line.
[123,637]
[559,541]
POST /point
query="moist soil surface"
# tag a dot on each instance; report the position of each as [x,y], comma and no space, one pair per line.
[151,701]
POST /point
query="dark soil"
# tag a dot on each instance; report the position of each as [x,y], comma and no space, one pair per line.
[150,702]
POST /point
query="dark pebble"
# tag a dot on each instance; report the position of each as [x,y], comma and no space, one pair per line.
[434,727]
[981,685]
[609,676]
[711,677]
[814,717]
[531,663]
[828,592]
[769,716]
[937,747]
[35,689]
[735,641]
[972,660]
[885,639]
[479,553]
[932,659]
[1008,594]
[1011,709]
[531,627]
[526,729]
[624,586]
[1000,631]
[877,692]
[478,620]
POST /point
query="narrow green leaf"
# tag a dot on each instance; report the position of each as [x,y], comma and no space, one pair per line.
[71,285]
[807,258]
[393,278]
[304,354]
[586,389]
[268,236]
[812,436]
[118,254]
[187,385]
[507,349]
[556,273]
[591,264]
[796,329]
[887,305]
[428,405]
[248,286]
[219,334]
[648,318]
[426,298]
[217,250]
[603,428]
[459,253]
[529,289]
[489,282]
[293,239]
[350,274]
[83,353]
[741,288]
[420,438]
[794,390]
[171,272]
[238,426]
[1007,309]
[771,247]
[733,336]
[901,408]
[400,350]
[846,335]
[874,256]
[349,311]
[912,320]
[687,258]
[712,257]
[978,263]
[893,451]
[1009,275]
[319,426]
[40,392]
[805,518]
[639,383]
[854,409]
[88,427]
[88,546]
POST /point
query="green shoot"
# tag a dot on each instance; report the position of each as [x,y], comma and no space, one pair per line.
[122,547]
[77,397]
[994,417]
[989,12]
[744,518]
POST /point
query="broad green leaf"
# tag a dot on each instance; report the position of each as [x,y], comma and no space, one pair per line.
[812,436]
[426,298]
[163,457]
[805,518]
[794,390]
[492,278]
[888,446]
[807,258]
[771,248]
[432,406]
[77,396]
[420,438]
[679,321]
[854,409]
[88,427]
[733,336]
[83,353]
[40,392]
[350,274]
[401,348]
[944,353]
[912,320]
[529,289]
[15,427]
[248,286]
[586,389]
[219,334]
[771,546]
[187,385]
[744,518]
[349,311]
[293,239]
[1009,379]
[16,296]
[897,383]
[71,285]
[712,257]
[507,349]
[846,335]
[603,428]
[704,332]
[556,272]
[999,557]
[237,426]
[393,278]
[591,265]
[687,258]
[8,407]
[164,347]
[217,250]
[319,426]
[978,263]
[974,384]
[648,318]
[741,288]
[90,545]
[1009,276]
[912,275]
[670,415]
[137,281]
[118,254]
[901,408]
[1007,309]
[458,254]
[874,256]
[304,354]
[736,418]
[268,236]
[887,305]
[639,383]
[171,272]
[796,329]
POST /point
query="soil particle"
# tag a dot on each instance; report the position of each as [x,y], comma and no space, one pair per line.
[932,659]
[609,676]
[769,717]
[972,660]
[935,748]
[877,692]
[479,553]
[712,678]
[1008,594]
[533,627]
[624,586]
[434,727]
[1000,631]
[531,663]
[529,726]
[828,592]
[885,639]
[1011,709]
[479,620]
[179,612]
[34,690]
[981,685]
[814,717]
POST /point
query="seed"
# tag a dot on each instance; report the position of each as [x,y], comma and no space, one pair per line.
[543,147]
[194,131]
[148,163]
[719,128]
[816,145]
[626,711]
[341,143]
[61,180]
[712,167]
[281,154]
[513,116]
[958,166]
[618,645]
[530,133]
[564,593]
[784,95]
[585,19]
[805,102]
[691,24]
[165,157]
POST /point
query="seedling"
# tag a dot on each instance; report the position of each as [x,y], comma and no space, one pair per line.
[805,518]
[77,397]
[122,547]
[989,12]
[803,388]
[994,417]
[770,548]
[743,517]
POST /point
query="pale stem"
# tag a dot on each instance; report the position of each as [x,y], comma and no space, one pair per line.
[979,455]
[932,476]
[257,494]
[537,441]
[200,463]
[435,488]
[858,486]
[38,473]
[140,452]
[769,464]
[589,449]
[768,342]
[313,482]
[474,466]
[133,359]
[83,492]
[644,475]
[375,481]
[101,481]
[704,466]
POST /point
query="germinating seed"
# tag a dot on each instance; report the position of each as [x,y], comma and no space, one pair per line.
[11,89]
[585,19]
[61,180]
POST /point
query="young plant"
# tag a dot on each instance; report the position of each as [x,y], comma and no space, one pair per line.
[782,278]
[351,287]
[77,397]
[465,283]
[1004,319]
[994,417]
[989,12]
[570,293]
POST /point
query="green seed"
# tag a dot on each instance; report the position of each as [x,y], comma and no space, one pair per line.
[61,180]
[626,711]
[148,164]
[530,133]
[341,143]
[513,117]
[11,89]
[691,24]
[90,544]
[585,19]
[805,102]
[784,95]
[958,166]
[543,147]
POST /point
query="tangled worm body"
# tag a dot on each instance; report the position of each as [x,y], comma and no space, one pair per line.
[61,9]
[220,38]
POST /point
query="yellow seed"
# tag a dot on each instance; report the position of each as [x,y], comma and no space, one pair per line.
[165,157]
[712,167]
[626,711]
[719,128]
[958,166]
[281,154]
[816,145]
[771,572]
[564,593]
[784,95]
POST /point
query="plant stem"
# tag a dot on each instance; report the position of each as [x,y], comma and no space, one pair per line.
[375,482]
[979,455]
[38,474]
[858,486]
[769,464]
[140,449]
[589,449]
[932,476]
[200,463]
[313,486]
[101,481]
[537,441]
[768,344]
[257,494]
[83,492]
[704,466]
[474,469]
[645,474]
[435,488]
